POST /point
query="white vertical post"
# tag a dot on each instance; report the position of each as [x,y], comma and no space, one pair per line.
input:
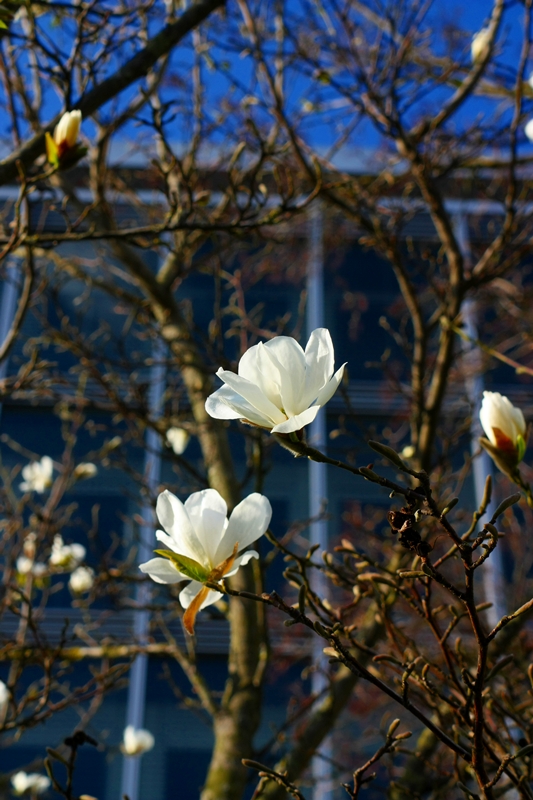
[8,307]
[131,769]
[492,572]
[318,489]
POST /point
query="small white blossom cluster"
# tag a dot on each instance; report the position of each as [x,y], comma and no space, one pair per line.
[63,558]
[29,783]
[66,556]
[37,475]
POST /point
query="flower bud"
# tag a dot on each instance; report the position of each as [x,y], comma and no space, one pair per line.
[506,431]
[85,470]
[480,43]
[65,139]
[178,439]
[136,741]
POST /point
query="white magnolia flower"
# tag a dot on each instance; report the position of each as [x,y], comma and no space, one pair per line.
[81,580]
[480,42]
[136,741]
[4,700]
[279,386]
[204,543]
[178,439]
[66,556]
[85,470]
[506,430]
[37,475]
[26,565]
[528,130]
[30,783]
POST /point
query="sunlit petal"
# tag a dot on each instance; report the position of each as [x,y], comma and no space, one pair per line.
[174,518]
[161,570]
[248,521]
[207,511]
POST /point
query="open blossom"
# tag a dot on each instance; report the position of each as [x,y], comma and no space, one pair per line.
[178,439]
[279,386]
[37,475]
[81,580]
[136,741]
[26,565]
[506,430]
[65,138]
[66,556]
[528,130]
[204,543]
[29,783]
[480,42]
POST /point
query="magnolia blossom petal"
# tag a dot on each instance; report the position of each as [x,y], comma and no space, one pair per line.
[252,394]
[257,367]
[249,520]
[319,358]
[207,511]
[327,392]
[298,422]
[241,561]
[227,404]
[174,518]
[289,359]
[162,570]
[188,594]
[167,540]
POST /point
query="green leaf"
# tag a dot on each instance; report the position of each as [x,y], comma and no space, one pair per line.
[521,447]
[187,566]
